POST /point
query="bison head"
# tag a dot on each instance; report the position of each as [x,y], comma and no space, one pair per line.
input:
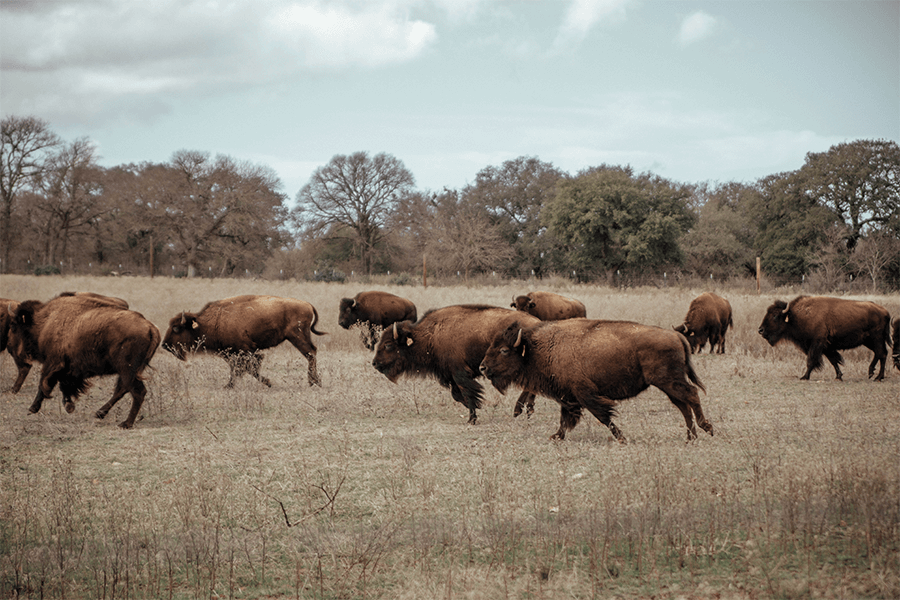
[504,360]
[183,335]
[393,356]
[523,303]
[694,338]
[347,313]
[776,322]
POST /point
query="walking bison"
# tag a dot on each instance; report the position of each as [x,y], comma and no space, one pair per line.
[821,325]
[448,344]
[708,318]
[548,306]
[75,338]
[374,312]
[239,328]
[13,344]
[896,354]
[589,364]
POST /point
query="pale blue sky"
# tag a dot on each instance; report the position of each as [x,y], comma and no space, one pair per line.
[694,91]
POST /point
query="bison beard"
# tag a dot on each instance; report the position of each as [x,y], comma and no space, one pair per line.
[448,344]
[820,326]
[76,339]
[586,364]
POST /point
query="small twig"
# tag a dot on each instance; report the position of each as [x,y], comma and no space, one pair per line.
[211,432]
[287,521]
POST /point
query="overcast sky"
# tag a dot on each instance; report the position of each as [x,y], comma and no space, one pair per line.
[693,91]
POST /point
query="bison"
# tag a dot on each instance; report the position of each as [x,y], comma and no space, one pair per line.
[239,328]
[76,338]
[821,325]
[590,364]
[13,344]
[708,318]
[448,344]
[548,306]
[374,311]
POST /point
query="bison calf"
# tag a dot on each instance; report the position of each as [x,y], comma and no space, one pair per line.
[587,364]
[821,325]
[548,306]
[374,312]
[448,344]
[76,338]
[239,328]
[708,318]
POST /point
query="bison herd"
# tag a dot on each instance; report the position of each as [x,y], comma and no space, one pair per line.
[543,344]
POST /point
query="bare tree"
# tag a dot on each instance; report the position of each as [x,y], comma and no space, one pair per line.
[875,252]
[358,192]
[24,147]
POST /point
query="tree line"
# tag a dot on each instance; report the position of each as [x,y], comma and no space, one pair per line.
[834,220]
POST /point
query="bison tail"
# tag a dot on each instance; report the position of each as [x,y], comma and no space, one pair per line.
[689,365]
[316,320]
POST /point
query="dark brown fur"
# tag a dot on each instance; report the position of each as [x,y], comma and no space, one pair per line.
[239,328]
[448,344]
[896,354]
[588,364]
[548,306]
[374,312]
[708,318]
[76,338]
[820,325]
[14,345]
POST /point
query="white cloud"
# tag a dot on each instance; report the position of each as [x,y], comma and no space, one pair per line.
[583,15]
[696,27]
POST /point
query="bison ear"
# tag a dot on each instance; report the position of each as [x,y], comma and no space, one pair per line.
[786,317]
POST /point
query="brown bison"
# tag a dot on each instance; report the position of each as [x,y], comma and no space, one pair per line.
[588,364]
[448,344]
[13,344]
[548,306]
[239,328]
[76,338]
[374,312]
[820,325]
[708,318]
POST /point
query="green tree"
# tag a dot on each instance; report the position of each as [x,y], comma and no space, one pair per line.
[860,182]
[611,219]
[514,195]
[721,242]
[791,224]
[359,192]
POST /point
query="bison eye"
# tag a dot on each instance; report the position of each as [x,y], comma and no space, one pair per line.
[504,350]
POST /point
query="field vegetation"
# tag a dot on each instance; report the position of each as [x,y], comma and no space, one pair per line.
[365,489]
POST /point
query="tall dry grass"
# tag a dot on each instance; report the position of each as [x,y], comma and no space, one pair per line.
[366,489]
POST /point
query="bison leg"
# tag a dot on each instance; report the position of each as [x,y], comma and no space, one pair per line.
[49,377]
[836,360]
[569,415]
[603,410]
[881,354]
[686,398]
[138,393]
[467,392]
[24,368]
[120,391]
[308,349]
[526,400]
[253,365]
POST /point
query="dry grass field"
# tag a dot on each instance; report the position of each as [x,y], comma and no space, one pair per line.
[366,489]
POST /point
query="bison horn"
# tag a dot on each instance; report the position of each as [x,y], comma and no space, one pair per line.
[182,318]
[395,331]
[354,303]
[518,339]
[10,310]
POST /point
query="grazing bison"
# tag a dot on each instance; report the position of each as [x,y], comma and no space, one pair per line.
[240,327]
[374,311]
[448,344]
[820,325]
[588,364]
[708,318]
[76,338]
[14,345]
[548,306]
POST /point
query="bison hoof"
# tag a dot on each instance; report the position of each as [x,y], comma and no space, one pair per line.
[559,435]
[126,425]
[100,414]
[517,411]
[70,406]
